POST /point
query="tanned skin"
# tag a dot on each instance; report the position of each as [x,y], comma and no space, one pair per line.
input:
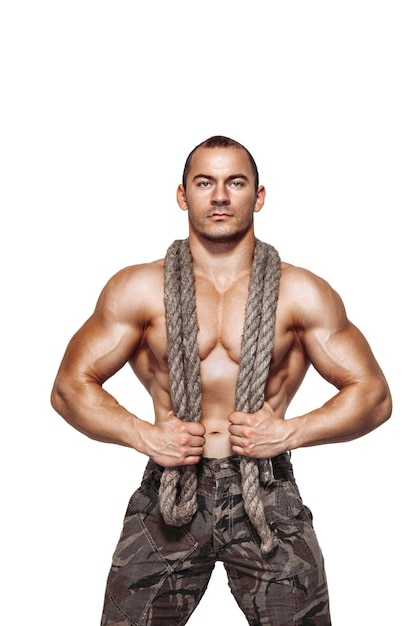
[128,325]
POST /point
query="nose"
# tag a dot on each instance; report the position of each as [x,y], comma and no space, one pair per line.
[219,195]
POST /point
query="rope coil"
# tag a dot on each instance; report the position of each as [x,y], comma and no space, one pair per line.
[177,494]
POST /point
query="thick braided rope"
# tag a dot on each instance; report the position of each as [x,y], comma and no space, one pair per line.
[256,351]
[178,485]
[184,377]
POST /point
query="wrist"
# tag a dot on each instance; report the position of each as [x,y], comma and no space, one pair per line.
[295,431]
[138,435]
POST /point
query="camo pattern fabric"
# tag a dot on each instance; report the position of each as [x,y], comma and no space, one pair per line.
[159,573]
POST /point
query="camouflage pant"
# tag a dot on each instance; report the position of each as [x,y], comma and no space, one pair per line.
[159,573]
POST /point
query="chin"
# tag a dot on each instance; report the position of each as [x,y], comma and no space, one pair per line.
[224,236]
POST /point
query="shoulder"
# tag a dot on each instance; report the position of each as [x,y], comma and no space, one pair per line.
[309,298]
[295,278]
[140,275]
[134,289]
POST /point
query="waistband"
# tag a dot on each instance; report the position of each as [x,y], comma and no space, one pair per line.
[230,465]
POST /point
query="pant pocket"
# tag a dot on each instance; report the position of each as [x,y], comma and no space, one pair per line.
[147,552]
[291,521]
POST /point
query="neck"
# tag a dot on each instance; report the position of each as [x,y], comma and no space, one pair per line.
[222,259]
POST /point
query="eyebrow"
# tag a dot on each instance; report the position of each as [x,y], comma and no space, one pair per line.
[231,177]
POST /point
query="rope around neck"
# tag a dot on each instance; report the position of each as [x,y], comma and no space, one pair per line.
[177,494]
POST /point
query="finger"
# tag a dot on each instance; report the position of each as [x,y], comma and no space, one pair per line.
[196,429]
[240,441]
[192,460]
[197,442]
[237,418]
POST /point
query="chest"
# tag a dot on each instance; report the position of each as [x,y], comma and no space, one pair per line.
[221,317]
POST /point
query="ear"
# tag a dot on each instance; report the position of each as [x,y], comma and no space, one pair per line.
[260,198]
[182,198]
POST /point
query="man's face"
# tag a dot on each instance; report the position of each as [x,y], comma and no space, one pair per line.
[220,194]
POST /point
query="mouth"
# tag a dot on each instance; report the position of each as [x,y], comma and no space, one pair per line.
[219,216]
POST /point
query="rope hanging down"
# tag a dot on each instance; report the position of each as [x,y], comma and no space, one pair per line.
[177,494]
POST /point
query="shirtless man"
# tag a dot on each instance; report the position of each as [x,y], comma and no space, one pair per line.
[159,572]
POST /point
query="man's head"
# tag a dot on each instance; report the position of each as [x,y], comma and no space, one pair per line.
[220,191]
[218,141]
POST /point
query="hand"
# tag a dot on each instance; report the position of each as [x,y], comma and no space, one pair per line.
[173,442]
[259,435]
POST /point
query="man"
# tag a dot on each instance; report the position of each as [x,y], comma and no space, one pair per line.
[239,502]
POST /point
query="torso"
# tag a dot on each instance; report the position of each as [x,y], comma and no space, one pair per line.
[221,317]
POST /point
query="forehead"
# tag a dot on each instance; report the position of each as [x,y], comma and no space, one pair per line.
[220,162]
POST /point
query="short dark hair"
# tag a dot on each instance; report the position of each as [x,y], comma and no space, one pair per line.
[218,141]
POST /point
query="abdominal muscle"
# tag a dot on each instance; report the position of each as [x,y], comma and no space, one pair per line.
[218,375]
[217,438]
[218,378]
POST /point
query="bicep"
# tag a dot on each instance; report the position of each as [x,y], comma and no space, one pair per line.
[334,346]
[106,340]
[341,356]
[99,349]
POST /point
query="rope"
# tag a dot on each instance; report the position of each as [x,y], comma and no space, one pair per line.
[177,495]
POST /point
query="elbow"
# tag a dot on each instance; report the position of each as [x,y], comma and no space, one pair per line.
[382,405]
[55,399]
[387,407]
[59,397]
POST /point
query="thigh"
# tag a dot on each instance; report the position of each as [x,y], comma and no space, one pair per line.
[158,574]
[288,587]
[268,600]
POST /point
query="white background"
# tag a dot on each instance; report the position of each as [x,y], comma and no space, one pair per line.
[101,103]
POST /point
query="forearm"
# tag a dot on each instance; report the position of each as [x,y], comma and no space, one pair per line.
[353,412]
[95,413]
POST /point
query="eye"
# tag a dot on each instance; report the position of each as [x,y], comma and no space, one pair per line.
[204,184]
[237,183]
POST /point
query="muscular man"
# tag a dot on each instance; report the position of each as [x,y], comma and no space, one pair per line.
[160,570]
